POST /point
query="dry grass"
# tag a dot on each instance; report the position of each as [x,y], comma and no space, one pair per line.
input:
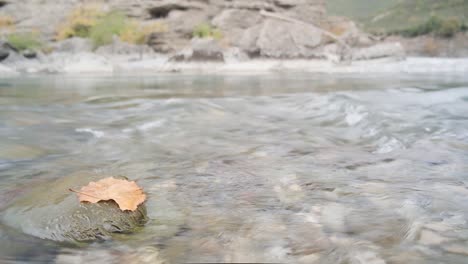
[6,22]
[7,25]
[80,21]
[137,33]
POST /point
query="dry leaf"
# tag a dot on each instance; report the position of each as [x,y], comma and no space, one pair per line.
[127,194]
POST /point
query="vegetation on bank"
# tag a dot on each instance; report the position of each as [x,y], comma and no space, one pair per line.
[409,18]
[24,41]
[101,27]
[445,28]
[205,30]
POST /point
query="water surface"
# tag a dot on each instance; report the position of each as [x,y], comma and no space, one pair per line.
[241,168]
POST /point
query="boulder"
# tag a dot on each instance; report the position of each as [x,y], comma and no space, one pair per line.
[183,22]
[206,49]
[234,22]
[50,211]
[4,53]
[29,54]
[248,41]
[250,5]
[201,49]
[382,50]
[281,39]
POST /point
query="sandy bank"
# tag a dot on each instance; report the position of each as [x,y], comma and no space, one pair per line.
[90,63]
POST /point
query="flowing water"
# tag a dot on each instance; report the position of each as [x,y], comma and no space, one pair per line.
[269,168]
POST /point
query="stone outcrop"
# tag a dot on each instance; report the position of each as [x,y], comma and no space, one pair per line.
[279,39]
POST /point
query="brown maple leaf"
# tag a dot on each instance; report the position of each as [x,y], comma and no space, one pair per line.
[127,194]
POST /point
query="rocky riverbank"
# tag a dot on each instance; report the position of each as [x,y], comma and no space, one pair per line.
[204,36]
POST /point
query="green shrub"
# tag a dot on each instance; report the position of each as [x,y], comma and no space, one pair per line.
[111,24]
[449,28]
[24,41]
[207,31]
[434,25]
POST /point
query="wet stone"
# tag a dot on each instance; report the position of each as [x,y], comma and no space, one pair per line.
[50,211]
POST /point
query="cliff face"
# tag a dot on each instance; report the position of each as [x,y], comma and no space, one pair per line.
[242,22]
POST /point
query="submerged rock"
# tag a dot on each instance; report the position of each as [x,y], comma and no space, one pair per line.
[50,211]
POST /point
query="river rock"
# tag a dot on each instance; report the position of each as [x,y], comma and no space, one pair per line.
[29,54]
[183,22]
[4,53]
[202,49]
[383,50]
[206,49]
[51,211]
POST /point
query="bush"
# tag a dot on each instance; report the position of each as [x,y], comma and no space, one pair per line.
[207,31]
[449,28]
[24,41]
[437,26]
[90,22]
[80,22]
[113,23]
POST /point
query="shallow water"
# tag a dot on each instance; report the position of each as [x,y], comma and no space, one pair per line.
[270,168]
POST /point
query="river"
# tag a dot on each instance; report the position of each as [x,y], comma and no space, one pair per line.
[295,168]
